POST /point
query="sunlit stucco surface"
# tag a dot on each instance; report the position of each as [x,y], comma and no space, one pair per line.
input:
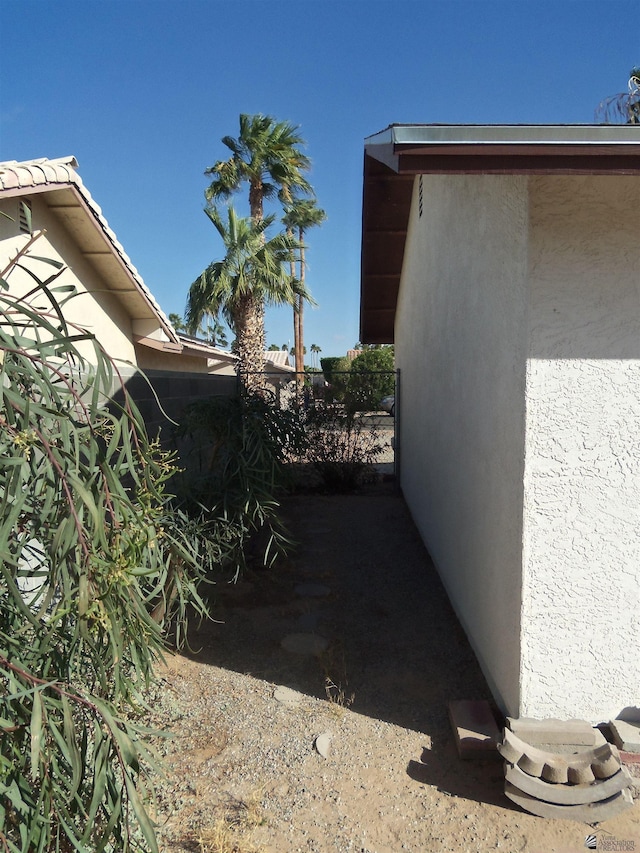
[518,338]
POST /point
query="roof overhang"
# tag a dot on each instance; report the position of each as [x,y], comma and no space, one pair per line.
[69,201]
[203,349]
[70,208]
[396,155]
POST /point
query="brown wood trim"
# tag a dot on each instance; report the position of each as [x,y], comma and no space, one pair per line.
[152,343]
[438,162]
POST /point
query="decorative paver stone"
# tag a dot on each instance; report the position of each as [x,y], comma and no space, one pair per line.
[312,590]
[322,744]
[287,696]
[474,728]
[626,735]
[587,785]
[568,795]
[311,645]
[585,813]
[602,761]
[551,731]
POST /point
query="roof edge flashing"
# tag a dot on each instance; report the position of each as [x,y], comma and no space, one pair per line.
[505,134]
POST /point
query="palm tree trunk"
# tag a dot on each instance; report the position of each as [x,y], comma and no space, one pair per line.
[249,329]
[299,316]
[299,366]
[256,200]
[254,342]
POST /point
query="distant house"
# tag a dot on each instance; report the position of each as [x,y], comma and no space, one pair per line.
[504,263]
[278,366]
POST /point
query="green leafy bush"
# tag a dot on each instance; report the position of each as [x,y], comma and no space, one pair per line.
[95,563]
[371,378]
[237,468]
[336,373]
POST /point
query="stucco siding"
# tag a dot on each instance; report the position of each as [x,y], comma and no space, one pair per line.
[581,582]
[153,359]
[94,308]
[461,347]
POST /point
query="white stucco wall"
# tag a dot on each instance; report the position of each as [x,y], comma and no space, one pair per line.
[581,584]
[461,347]
[518,340]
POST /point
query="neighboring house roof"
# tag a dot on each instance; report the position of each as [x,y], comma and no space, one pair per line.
[397,154]
[279,358]
[274,361]
[70,201]
[196,346]
[277,362]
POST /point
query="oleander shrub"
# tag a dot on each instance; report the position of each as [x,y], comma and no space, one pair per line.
[96,564]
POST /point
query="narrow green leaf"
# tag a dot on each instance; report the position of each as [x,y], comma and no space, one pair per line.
[142,817]
[57,264]
[37,735]
[127,749]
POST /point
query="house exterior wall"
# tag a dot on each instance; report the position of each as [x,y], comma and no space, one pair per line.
[461,347]
[581,549]
[100,312]
[518,340]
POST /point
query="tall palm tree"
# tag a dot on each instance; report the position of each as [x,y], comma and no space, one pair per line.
[315,350]
[266,155]
[252,274]
[300,215]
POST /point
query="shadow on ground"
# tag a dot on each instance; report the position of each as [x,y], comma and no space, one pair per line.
[395,652]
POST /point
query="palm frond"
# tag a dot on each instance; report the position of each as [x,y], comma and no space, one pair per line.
[623,107]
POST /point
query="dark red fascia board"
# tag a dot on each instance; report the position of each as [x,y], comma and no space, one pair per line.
[411,159]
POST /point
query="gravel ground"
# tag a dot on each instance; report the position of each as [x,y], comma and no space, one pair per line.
[244,768]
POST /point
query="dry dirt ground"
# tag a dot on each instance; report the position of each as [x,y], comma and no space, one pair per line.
[244,771]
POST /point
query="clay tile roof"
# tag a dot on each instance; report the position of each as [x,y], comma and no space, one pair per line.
[37,175]
[34,172]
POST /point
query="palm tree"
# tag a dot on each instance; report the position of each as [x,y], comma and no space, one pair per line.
[625,106]
[266,155]
[210,328]
[177,322]
[214,330]
[300,215]
[315,351]
[251,275]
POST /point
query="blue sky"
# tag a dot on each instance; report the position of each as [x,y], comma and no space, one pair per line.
[142,91]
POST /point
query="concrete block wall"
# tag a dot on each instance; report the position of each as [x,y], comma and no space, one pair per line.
[159,394]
